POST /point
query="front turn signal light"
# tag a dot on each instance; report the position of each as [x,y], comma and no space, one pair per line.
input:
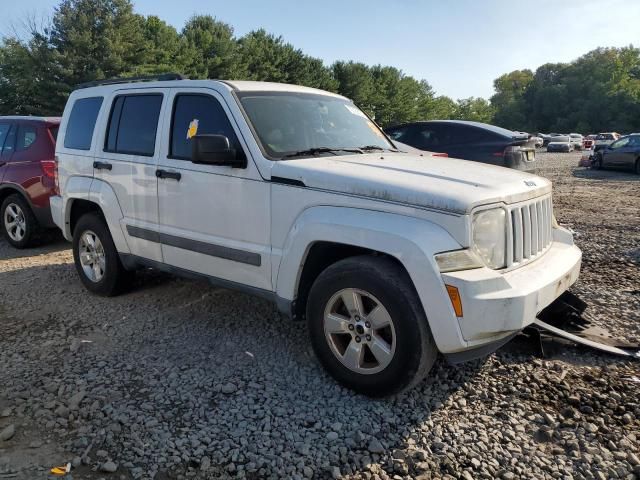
[456,301]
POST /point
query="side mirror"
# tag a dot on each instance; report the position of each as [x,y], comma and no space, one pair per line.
[216,150]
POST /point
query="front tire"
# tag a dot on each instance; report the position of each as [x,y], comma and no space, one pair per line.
[368,327]
[96,258]
[637,169]
[597,161]
[19,224]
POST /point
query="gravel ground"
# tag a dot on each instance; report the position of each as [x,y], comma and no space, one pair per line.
[180,380]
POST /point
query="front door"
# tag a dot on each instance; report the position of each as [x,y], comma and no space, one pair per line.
[614,156]
[214,220]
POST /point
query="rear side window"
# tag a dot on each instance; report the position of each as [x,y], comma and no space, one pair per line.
[201,114]
[428,137]
[82,122]
[133,124]
[398,133]
[26,137]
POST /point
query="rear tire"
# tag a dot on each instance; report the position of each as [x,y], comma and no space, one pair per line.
[19,225]
[96,258]
[637,169]
[380,346]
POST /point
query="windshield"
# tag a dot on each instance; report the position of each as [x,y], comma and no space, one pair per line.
[306,124]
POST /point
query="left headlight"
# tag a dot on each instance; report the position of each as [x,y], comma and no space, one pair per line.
[490,237]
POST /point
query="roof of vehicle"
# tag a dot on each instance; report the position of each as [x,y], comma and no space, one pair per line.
[32,118]
[251,86]
[235,85]
[485,126]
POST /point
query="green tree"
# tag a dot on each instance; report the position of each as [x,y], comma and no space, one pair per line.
[508,102]
[210,49]
[97,39]
[164,49]
[267,57]
[475,109]
[355,81]
[31,79]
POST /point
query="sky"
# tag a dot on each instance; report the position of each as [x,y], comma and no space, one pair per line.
[458,46]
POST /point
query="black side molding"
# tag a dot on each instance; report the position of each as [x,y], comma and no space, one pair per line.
[288,181]
[233,254]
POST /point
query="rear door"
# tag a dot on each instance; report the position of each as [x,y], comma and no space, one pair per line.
[126,159]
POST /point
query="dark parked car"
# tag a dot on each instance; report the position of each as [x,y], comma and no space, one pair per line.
[470,141]
[561,143]
[623,153]
[27,176]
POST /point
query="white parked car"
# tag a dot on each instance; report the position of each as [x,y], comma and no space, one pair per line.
[295,195]
[576,140]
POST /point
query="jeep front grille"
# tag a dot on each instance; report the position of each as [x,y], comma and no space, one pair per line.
[530,231]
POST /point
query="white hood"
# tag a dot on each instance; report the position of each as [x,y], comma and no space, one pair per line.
[432,182]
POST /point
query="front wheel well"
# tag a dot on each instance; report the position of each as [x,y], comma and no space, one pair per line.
[320,256]
[79,208]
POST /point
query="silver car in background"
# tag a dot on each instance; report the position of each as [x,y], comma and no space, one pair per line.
[560,143]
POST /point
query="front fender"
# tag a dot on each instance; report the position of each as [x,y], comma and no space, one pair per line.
[412,241]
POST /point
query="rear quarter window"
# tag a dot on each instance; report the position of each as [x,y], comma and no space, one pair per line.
[82,123]
[27,135]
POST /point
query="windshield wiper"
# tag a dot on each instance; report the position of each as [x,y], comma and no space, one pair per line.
[368,148]
[319,150]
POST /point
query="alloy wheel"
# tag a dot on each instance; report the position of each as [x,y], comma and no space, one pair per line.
[92,257]
[15,222]
[359,331]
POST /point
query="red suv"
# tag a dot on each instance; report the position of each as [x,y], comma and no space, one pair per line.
[27,176]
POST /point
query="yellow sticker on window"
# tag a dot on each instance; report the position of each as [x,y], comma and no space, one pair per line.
[193,129]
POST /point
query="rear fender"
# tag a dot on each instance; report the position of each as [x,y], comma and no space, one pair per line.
[413,242]
[103,194]
[76,188]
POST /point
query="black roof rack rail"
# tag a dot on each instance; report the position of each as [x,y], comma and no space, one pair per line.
[164,77]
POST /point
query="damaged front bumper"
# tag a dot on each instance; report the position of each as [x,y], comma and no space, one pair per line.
[496,306]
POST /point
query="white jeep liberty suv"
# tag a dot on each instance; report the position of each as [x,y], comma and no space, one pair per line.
[294,194]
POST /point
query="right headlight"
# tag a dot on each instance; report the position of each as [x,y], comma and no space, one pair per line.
[490,237]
